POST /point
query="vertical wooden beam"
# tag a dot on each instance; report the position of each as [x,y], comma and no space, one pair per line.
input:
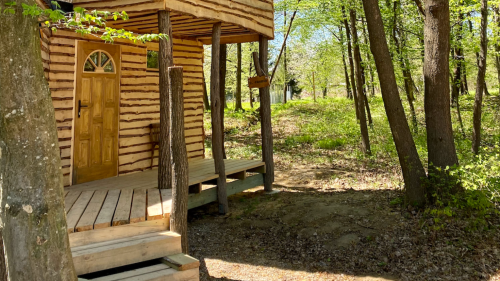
[222,84]
[165,60]
[265,115]
[216,105]
[180,188]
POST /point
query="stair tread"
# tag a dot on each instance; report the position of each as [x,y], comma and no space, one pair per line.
[152,273]
[132,239]
[181,262]
[125,251]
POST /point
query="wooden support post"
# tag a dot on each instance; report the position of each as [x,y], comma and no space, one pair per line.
[265,115]
[165,60]
[180,189]
[216,105]
[222,81]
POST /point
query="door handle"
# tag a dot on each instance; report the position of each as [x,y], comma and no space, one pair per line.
[80,107]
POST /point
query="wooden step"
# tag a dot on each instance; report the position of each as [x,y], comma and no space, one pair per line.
[159,272]
[181,262]
[110,254]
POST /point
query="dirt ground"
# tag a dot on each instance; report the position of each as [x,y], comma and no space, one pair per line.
[316,228]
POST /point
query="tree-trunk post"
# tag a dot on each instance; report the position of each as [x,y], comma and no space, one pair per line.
[216,104]
[33,221]
[164,62]
[238,105]
[222,81]
[180,189]
[265,115]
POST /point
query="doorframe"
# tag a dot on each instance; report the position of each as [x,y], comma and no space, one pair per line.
[78,77]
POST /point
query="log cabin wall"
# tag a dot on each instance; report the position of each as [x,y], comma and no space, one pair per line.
[139,97]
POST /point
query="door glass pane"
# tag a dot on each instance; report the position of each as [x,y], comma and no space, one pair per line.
[109,67]
[104,59]
[88,67]
[94,57]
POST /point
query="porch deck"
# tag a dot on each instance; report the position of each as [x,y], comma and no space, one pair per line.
[136,198]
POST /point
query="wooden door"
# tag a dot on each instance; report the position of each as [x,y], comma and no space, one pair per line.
[97,111]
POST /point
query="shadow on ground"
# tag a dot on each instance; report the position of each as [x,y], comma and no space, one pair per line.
[308,234]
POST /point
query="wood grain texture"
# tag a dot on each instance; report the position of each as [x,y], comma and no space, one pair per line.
[265,115]
[217,133]
[180,188]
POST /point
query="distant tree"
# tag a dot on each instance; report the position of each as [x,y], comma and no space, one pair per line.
[481,85]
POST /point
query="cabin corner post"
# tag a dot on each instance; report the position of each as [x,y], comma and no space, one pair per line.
[180,188]
[265,115]
[216,104]
[165,60]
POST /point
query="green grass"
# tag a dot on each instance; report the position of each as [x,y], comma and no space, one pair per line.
[327,131]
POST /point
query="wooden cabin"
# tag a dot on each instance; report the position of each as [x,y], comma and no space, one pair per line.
[107,105]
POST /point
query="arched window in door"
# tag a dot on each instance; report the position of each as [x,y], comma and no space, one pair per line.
[99,62]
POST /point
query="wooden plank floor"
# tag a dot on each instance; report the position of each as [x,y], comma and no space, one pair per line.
[136,198]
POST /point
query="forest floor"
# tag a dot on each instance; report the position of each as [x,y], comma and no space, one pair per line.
[338,215]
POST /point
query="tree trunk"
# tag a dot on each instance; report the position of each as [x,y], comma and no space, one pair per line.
[347,83]
[284,63]
[359,83]
[265,117]
[440,142]
[180,189]
[165,61]
[371,86]
[223,68]
[314,88]
[217,132]
[481,85]
[33,221]
[238,80]
[404,67]
[206,103]
[411,166]
[497,45]
[351,63]
[324,92]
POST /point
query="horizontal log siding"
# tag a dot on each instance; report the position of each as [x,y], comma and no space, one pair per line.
[139,97]
[255,15]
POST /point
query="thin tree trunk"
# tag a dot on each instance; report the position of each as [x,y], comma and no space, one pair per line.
[180,189]
[365,87]
[165,61]
[206,103]
[324,92]
[223,68]
[486,92]
[351,63]
[217,132]
[347,83]
[478,101]
[411,166]
[440,142]
[33,220]
[497,45]
[359,83]
[459,58]
[404,67]
[368,60]
[284,63]
[238,106]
